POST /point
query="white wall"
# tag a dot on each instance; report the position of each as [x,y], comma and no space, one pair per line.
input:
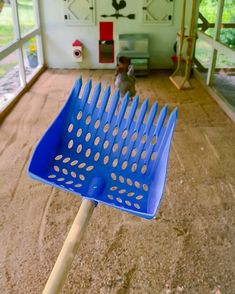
[58,37]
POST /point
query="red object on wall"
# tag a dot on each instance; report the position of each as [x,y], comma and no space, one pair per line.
[106,43]
[77,43]
[106,31]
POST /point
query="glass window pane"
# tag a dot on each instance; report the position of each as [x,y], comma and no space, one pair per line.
[26,16]
[9,79]
[225,62]
[207,16]
[203,53]
[30,57]
[227,33]
[224,78]
[6,23]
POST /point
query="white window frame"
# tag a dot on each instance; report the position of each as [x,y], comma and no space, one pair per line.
[17,45]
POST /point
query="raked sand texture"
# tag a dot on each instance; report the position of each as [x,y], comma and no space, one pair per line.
[189,248]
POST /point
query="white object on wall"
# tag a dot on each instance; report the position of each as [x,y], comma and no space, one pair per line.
[158,11]
[77,51]
[79,12]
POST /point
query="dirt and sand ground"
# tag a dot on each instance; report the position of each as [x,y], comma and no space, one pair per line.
[189,248]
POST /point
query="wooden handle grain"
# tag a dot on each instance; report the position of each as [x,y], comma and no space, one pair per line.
[69,249]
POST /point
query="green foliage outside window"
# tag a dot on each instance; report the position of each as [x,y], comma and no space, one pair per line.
[208,8]
[27,20]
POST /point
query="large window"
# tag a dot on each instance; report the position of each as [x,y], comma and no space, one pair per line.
[215,47]
[20,47]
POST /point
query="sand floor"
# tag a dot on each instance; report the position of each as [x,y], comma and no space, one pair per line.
[189,248]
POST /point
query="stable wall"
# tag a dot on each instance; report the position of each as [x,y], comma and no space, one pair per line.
[58,37]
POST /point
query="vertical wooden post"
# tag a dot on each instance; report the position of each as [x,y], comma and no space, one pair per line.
[182,33]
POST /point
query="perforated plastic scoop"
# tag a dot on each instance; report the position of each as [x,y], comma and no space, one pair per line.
[108,156]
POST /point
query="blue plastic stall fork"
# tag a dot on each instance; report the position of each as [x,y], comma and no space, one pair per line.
[108,156]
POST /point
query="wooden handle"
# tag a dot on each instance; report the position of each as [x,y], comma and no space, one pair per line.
[182,32]
[69,249]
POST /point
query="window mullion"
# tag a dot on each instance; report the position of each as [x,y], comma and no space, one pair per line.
[39,49]
[18,37]
[36,13]
[218,21]
[15,19]
[39,37]
[21,67]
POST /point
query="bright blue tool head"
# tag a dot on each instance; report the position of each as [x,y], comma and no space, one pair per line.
[110,156]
